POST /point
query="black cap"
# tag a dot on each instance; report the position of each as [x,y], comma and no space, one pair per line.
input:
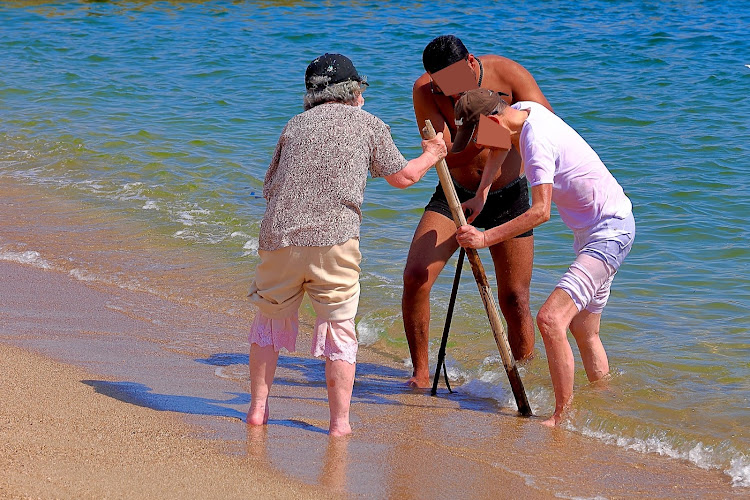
[330,69]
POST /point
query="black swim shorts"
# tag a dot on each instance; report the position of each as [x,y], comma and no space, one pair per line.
[502,205]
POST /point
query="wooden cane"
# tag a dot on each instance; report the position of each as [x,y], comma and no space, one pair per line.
[516,384]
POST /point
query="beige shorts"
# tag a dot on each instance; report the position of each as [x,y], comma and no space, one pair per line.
[329,275]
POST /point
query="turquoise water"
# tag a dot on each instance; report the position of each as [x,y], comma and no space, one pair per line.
[166,114]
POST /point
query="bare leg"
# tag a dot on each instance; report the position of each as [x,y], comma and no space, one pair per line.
[514,261]
[340,382]
[433,244]
[263,362]
[553,320]
[585,329]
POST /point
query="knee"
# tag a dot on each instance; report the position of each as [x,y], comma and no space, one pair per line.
[416,278]
[550,325]
[516,300]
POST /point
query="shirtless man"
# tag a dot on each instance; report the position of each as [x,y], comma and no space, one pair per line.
[434,240]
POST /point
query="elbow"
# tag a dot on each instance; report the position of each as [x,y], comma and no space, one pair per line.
[398,180]
[539,217]
[404,178]
[406,181]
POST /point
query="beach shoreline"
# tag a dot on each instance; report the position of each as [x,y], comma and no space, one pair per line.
[131,422]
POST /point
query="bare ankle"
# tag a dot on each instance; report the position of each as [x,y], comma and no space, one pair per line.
[258,414]
[420,381]
[339,430]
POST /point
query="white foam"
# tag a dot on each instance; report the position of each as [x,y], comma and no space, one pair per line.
[186,218]
[367,333]
[150,205]
[92,185]
[739,470]
[250,247]
[703,456]
[82,275]
[29,257]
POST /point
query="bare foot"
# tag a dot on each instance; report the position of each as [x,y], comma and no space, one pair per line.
[552,421]
[258,415]
[418,382]
[527,358]
[338,430]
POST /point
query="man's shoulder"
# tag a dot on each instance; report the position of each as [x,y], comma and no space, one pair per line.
[497,61]
[421,85]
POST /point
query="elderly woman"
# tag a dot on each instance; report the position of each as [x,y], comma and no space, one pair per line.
[309,235]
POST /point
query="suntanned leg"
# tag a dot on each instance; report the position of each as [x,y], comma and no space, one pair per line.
[340,382]
[433,244]
[514,261]
[263,361]
[553,320]
[585,329]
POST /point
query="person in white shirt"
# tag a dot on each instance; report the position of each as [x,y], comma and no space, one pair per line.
[561,168]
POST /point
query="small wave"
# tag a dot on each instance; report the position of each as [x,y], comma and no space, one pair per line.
[367,332]
[251,245]
[83,275]
[188,217]
[28,257]
[706,457]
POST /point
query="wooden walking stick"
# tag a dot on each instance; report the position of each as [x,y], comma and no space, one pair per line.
[516,384]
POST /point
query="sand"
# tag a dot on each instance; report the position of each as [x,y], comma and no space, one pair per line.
[60,439]
[139,423]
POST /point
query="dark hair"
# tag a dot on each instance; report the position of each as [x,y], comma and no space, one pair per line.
[443,51]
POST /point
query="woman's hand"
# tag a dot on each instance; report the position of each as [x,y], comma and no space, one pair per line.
[470,237]
[435,146]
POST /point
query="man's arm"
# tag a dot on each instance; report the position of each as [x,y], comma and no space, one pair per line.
[474,206]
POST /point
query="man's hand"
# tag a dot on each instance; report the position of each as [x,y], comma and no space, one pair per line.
[470,237]
[472,208]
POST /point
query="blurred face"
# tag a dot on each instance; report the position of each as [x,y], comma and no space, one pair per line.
[453,80]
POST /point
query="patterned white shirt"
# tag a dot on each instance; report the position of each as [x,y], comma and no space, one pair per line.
[316,180]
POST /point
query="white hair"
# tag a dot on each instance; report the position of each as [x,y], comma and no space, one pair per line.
[346,92]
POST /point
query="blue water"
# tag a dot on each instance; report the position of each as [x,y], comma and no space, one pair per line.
[166,114]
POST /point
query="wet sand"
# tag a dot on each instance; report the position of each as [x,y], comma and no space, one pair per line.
[110,391]
[60,439]
[141,421]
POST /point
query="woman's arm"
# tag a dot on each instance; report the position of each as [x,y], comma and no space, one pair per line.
[433,150]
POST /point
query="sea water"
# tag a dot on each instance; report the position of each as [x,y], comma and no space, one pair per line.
[162,117]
